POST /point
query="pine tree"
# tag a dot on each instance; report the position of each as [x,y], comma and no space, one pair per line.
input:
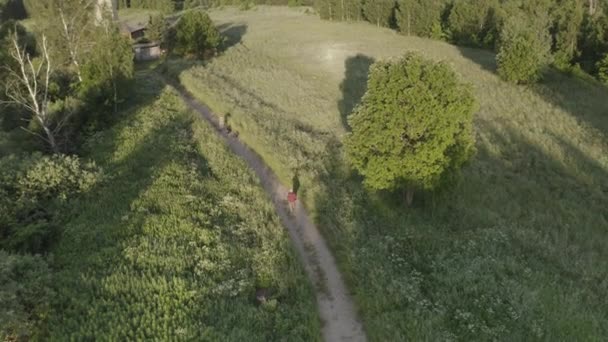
[414,127]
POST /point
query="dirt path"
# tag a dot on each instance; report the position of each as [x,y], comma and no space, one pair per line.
[336,308]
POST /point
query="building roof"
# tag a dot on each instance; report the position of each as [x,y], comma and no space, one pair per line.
[131,28]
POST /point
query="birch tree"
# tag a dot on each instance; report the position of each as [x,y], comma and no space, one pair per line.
[27,86]
[67,24]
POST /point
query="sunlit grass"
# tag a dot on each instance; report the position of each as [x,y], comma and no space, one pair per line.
[518,248]
[177,240]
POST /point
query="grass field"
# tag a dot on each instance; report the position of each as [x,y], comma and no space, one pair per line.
[175,242]
[517,251]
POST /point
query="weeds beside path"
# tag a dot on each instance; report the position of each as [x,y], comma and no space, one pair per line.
[336,307]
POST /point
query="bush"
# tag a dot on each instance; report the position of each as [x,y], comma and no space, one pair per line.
[602,68]
[29,187]
[525,48]
[196,35]
[24,294]
[414,127]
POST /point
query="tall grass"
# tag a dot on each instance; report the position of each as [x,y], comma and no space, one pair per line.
[176,242]
[518,250]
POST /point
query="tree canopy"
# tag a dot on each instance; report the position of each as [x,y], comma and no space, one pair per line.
[195,34]
[525,48]
[413,128]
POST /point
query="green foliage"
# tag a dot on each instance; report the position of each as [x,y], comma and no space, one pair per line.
[195,34]
[345,10]
[413,127]
[567,20]
[602,68]
[107,73]
[473,22]
[11,10]
[69,44]
[157,26]
[31,187]
[379,12]
[420,17]
[525,47]
[515,252]
[176,242]
[24,294]
[593,41]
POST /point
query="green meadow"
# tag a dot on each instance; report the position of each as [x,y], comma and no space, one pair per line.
[175,241]
[516,250]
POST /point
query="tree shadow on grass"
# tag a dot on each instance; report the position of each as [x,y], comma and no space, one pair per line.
[580,95]
[354,85]
[517,209]
[95,243]
[485,59]
[233,34]
[583,97]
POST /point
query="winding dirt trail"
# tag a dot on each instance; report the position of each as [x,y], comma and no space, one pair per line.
[336,308]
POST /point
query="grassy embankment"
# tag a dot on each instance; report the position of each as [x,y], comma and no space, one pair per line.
[518,250]
[175,242]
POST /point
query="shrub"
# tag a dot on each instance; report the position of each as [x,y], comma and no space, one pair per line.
[525,48]
[414,127]
[24,293]
[196,35]
[29,186]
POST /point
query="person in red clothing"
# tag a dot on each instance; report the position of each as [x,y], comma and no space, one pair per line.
[292,197]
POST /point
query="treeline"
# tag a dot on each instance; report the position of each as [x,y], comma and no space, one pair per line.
[173,5]
[577,29]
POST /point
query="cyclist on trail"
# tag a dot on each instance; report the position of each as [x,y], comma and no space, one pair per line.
[292,197]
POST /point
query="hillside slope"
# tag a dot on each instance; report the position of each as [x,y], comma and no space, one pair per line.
[176,242]
[518,250]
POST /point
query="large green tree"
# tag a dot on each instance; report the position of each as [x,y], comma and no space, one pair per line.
[195,34]
[414,128]
[525,48]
